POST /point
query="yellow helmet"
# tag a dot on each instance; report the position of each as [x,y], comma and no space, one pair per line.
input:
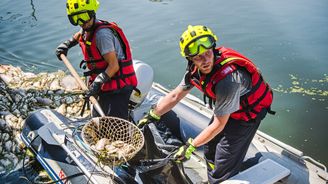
[78,6]
[194,37]
[81,11]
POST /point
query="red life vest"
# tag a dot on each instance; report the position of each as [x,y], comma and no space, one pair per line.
[96,63]
[258,98]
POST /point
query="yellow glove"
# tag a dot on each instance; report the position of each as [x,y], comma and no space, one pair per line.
[148,118]
[184,152]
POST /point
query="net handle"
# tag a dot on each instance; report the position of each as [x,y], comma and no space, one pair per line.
[82,85]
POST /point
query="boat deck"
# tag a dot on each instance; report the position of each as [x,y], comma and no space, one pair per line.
[188,114]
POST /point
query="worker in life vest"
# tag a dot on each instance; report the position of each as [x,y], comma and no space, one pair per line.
[234,88]
[107,56]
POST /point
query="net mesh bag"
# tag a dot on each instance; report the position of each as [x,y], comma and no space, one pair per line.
[113,140]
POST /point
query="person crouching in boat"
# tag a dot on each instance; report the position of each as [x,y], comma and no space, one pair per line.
[107,56]
[233,86]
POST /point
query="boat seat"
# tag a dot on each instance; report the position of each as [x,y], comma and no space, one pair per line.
[265,172]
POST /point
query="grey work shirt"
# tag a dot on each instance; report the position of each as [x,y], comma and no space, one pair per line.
[106,42]
[228,91]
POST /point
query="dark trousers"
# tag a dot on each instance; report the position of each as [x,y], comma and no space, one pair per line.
[114,103]
[227,150]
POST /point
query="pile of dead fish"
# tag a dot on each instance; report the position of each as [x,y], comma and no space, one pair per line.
[21,93]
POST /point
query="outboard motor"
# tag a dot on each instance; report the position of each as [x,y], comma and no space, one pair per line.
[145,76]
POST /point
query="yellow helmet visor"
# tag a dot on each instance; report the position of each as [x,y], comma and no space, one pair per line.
[80,18]
[194,48]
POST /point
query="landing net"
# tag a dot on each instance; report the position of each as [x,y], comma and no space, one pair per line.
[113,140]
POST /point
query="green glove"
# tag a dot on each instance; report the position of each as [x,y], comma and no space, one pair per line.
[185,151]
[148,118]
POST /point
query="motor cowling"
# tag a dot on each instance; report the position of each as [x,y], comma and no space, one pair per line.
[145,76]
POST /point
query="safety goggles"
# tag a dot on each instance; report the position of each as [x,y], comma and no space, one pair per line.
[193,48]
[79,18]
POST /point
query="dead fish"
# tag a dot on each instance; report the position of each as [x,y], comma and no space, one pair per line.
[118,144]
[69,83]
[44,101]
[110,149]
[101,144]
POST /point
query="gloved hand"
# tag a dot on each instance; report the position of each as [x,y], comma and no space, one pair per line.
[95,87]
[148,118]
[185,151]
[63,47]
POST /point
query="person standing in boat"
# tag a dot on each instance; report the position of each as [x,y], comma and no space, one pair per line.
[233,86]
[107,55]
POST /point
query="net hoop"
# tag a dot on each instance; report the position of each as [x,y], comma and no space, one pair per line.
[116,130]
